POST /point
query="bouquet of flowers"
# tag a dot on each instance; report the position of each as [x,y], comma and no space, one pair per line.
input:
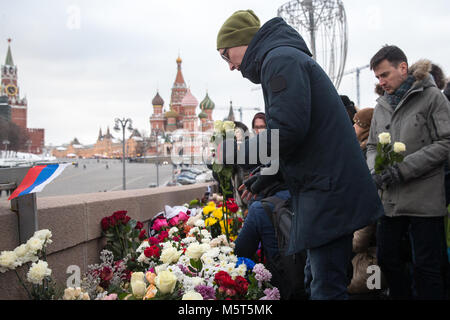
[123,234]
[388,154]
[33,253]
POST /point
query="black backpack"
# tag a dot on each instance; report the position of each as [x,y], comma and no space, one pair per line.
[287,271]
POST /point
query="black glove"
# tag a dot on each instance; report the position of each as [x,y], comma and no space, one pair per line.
[389,176]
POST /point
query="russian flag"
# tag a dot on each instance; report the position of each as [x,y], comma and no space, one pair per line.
[37,178]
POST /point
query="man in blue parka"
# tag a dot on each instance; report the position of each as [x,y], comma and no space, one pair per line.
[319,157]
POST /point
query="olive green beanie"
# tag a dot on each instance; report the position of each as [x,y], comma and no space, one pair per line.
[238,30]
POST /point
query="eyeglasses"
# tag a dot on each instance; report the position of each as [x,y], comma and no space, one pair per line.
[225,56]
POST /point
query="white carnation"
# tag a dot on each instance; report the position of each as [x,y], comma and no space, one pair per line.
[8,260]
[172,231]
[44,235]
[38,271]
[35,244]
[199,223]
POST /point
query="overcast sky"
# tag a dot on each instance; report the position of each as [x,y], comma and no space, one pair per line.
[83,63]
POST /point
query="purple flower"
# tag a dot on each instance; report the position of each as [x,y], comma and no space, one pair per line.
[207,292]
[261,273]
[271,294]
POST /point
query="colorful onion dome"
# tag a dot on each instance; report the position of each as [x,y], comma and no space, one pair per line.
[189,100]
[171,114]
[203,115]
[157,100]
[207,103]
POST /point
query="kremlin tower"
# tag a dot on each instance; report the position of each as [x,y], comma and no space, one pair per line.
[19,106]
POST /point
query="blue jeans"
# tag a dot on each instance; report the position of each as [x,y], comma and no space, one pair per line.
[426,236]
[326,276]
[258,228]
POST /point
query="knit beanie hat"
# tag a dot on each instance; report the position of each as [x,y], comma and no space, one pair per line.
[238,30]
[363,118]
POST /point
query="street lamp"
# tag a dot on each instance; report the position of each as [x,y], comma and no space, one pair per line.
[28,145]
[6,142]
[123,123]
[156,133]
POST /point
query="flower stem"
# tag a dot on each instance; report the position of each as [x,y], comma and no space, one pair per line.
[23,285]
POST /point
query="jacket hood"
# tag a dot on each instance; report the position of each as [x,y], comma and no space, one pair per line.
[274,33]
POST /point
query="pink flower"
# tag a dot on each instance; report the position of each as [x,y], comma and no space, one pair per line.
[159,223]
[112,296]
[183,216]
[174,221]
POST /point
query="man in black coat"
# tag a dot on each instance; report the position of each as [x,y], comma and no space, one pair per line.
[319,156]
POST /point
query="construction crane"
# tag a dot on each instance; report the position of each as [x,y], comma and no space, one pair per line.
[357,71]
[240,109]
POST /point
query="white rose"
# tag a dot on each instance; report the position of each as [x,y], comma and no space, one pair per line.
[138,288]
[8,260]
[399,147]
[137,276]
[165,281]
[384,138]
[170,255]
[195,251]
[218,126]
[192,295]
[38,271]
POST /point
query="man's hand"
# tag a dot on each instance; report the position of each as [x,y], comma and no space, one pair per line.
[389,176]
[246,195]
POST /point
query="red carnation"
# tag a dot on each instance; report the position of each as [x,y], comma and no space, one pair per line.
[126,219]
[176,238]
[142,235]
[152,251]
[163,235]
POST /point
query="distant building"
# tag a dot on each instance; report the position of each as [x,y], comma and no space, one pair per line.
[19,106]
[182,109]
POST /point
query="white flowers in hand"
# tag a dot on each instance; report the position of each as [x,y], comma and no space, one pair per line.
[384,138]
[399,147]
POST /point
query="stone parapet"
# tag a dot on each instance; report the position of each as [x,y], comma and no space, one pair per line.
[75,225]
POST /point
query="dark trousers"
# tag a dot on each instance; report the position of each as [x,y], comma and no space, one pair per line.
[425,236]
[326,276]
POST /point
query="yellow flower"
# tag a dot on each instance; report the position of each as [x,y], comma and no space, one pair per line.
[210,221]
[208,209]
[218,213]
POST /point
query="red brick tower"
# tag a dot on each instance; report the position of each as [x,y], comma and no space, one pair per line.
[19,106]
[179,90]
[10,88]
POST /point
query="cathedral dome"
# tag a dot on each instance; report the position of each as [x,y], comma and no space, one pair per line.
[171,114]
[157,100]
[202,115]
[189,100]
[207,103]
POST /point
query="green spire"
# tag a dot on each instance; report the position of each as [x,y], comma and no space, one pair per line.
[9,60]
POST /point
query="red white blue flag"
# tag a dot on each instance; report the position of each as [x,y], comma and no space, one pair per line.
[37,178]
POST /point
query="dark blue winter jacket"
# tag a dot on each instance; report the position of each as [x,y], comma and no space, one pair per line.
[320,158]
